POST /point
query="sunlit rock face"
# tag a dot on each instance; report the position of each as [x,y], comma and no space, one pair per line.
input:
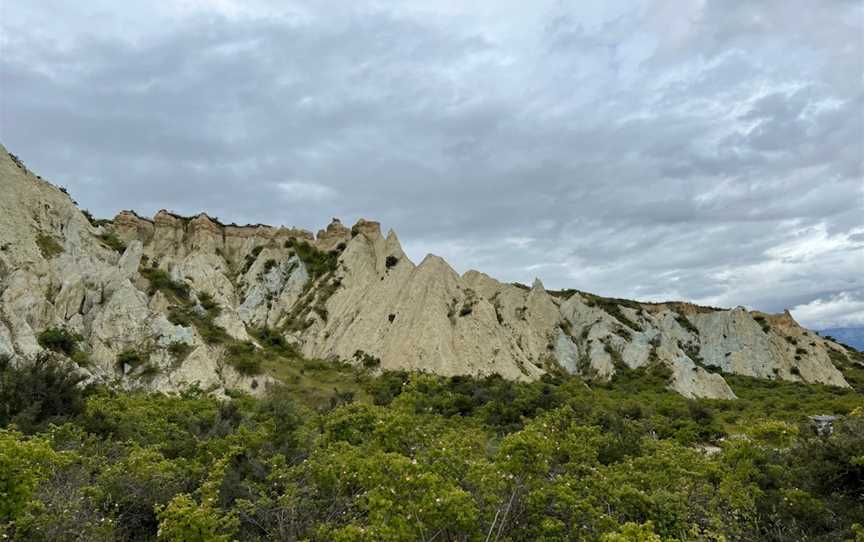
[339,295]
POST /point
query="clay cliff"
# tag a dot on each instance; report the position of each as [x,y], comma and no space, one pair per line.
[170,301]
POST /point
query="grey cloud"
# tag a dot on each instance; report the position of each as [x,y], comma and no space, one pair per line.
[655,151]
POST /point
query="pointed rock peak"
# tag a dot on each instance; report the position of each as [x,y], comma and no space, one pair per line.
[392,245]
[789,318]
[435,263]
[431,259]
[537,286]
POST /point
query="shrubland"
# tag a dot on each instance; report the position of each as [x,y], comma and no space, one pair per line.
[342,453]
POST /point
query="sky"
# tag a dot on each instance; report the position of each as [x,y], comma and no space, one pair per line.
[704,150]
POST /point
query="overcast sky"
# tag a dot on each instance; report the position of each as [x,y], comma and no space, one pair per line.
[703,150]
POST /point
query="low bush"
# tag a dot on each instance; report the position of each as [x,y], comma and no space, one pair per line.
[132,358]
[37,392]
[113,242]
[274,341]
[179,350]
[317,263]
[160,280]
[367,360]
[59,340]
[48,246]
[244,357]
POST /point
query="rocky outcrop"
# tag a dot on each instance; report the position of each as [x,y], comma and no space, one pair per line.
[346,293]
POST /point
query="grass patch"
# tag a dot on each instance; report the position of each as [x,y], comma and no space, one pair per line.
[244,357]
[250,258]
[316,383]
[63,341]
[564,294]
[313,299]
[779,399]
[268,265]
[612,307]
[763,323]
[160,280]
[685,323]
[113,242]
[274,342]
[179,350]
[132,358]
[615,354]
[367,360]
[317,263]
[203,321]
[59,340]
[95,222]
[48,246]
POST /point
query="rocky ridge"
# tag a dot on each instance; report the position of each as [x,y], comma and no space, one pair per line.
[166,302]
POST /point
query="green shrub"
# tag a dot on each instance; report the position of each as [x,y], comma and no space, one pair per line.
[95,222]
[37,392]
[209,304]
[185,315]
[113,242]
[763,323]
[367,360]
[180,350]
[48,246]
[59,340]
[132,358]
[244,357]
[613,308]
[685,323]
[274,342]
[387,387]
[134,485]
[24,463]
[317,263]
[160,280]
[250,258]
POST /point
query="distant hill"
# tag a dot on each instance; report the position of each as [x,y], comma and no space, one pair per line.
[852,336]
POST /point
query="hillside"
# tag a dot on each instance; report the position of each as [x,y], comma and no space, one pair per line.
[165,302]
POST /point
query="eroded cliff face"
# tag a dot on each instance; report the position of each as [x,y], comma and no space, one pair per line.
[171,286]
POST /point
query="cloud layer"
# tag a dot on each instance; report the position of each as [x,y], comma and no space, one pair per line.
[708,150]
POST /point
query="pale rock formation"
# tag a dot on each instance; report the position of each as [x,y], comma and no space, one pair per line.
[335,234]
[366,297]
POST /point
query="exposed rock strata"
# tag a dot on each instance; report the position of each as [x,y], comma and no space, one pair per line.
[370,298]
